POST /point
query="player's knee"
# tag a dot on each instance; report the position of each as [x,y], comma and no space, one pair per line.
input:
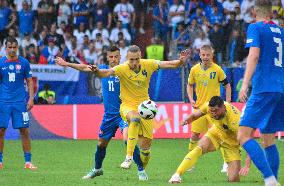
[242,138]
[195,136]
[24,132]
[102,143]
[135,119]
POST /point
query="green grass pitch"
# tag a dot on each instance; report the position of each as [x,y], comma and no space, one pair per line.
[64,162]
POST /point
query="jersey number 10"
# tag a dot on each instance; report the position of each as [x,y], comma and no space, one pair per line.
[278,62]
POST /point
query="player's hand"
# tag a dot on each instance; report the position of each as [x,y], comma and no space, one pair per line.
[243,93]
[61,62]
[30,104]
[184,55]
[244,171]
[193,104]
[93,68]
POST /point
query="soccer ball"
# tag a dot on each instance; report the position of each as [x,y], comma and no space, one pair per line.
[147,109]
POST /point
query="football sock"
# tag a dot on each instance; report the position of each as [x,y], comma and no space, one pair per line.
[258,157]
[133,130]
[99,157]
[28,156]
[145,156]
[136,157]
[192,144]
[1,156]
[272,156]
[189,160]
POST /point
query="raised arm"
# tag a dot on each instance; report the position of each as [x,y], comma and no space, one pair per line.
[81,67]
[192,117]
[101,73]
[175,63]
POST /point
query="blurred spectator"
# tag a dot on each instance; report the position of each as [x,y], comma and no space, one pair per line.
[197,15]
[194,30]
[114,33]
[215,16]
[181,38]
[278,7]
[86,42]
[27,20]
[100,13]
[193,5]
[123,50]
[229,6]
[28,39]
[140,7]
[46,96]
[124,12]
[216,38]
[80,33]
[62,28]
[200,41]
[246,11]
[210,6]
[75,53]
[63,12]
[57,38]
[68,39]
[155,50]
[275,17]
[50,52]
[46,13]
[160,20]
[80,13]
[176,13]
[19,4]
[90,54]
[100,29]
[100,42]
[12,33]
[236,48]
[5,16]
[31,54]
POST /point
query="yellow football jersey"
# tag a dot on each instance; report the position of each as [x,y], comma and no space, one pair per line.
[134,86]
[207,82]
[227,127]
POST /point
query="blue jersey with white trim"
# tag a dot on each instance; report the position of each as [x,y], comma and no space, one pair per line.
[269,73]
[12,76]
[111,92]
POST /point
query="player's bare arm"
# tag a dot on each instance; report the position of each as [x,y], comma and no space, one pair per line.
[30,85]
[192,117]
[101,73]
[252,61]
[80,67]
[190,95]
[228,92]
[176,63]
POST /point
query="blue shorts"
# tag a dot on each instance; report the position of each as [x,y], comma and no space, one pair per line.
[109,126]
[264,111]
[17,112]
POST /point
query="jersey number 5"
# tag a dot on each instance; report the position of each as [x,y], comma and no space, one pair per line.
[110,86]
[278,62]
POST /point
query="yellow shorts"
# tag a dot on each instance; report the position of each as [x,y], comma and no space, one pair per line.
[201,125]
[146,127]
[231,148]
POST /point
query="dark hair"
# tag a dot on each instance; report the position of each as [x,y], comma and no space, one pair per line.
[216,101]
[11,40]
[112,49]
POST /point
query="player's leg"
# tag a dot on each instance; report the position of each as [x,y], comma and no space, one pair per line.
[136,154]
[99,158]
[271,152]
[234,168]
[145,154]
[205,145]
[265,103]
[134,121]
[5,113]
[21,121]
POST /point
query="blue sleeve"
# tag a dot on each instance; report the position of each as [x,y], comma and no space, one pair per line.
[27,70]
[253,36]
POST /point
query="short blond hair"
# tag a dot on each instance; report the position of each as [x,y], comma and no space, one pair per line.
[207,47]
[263,7]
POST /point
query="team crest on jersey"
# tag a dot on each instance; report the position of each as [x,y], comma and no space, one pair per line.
[18,67]
[116,79]
[11,67]
[144,72]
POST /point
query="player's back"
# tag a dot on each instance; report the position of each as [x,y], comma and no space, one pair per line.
[111,92]
[269,73]
[12,75]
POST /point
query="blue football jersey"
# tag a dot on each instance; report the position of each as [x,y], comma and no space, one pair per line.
[111,92]
[269,73]
[12,76]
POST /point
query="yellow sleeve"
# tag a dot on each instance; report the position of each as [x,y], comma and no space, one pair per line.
[191,79]
[234,119]
[221,74]
[204,108]
[153,64]
[118,70]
